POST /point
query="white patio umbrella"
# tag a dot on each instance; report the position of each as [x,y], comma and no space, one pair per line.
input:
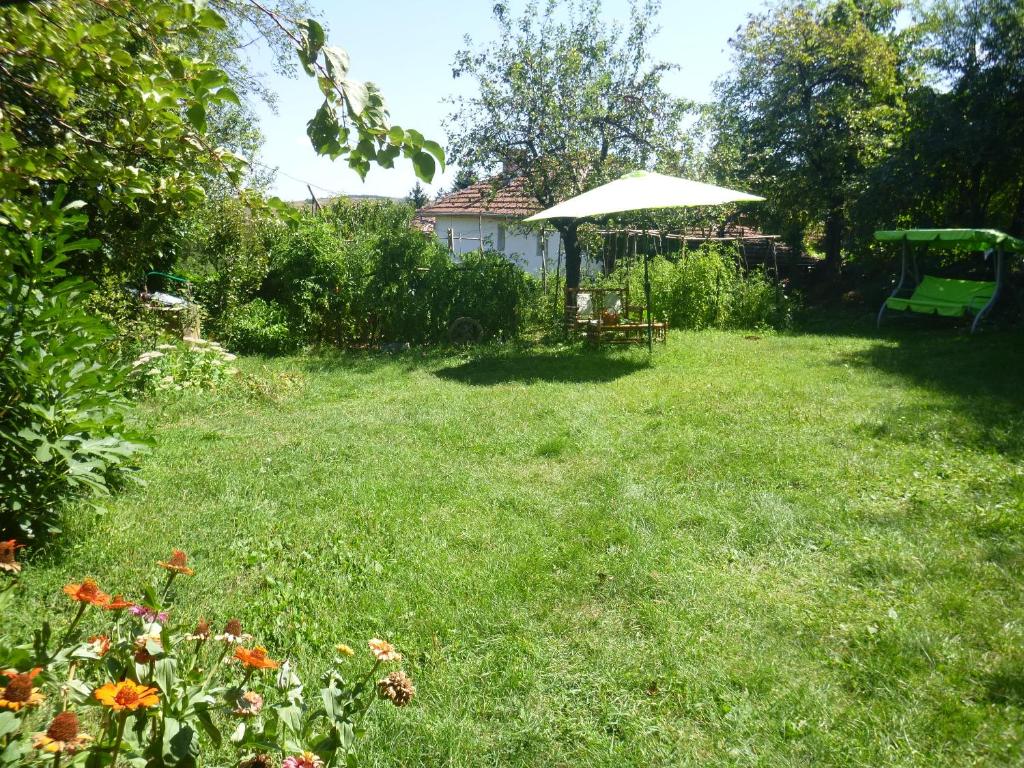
[638,191]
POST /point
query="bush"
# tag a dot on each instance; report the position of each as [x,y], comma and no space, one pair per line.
[224,250]
[260,328]
[707,289]
[62,410]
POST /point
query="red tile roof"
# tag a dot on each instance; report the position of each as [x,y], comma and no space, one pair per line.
[486,199]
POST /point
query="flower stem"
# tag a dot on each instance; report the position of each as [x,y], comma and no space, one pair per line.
[117,743]
[74,623]
[167,587]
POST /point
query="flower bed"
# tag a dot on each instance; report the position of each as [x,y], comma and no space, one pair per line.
[145,693]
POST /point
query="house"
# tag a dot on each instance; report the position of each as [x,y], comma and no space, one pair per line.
[486,215]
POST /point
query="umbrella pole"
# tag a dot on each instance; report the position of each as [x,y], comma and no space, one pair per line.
[647,297]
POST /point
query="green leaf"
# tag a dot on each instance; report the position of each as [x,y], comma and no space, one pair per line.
[323,131]
[356,95]
[337,61]
[423,164]
[8,723]
[180,745]
[228,94]
[196,114]
[210,19]
[435,149]
[121,57]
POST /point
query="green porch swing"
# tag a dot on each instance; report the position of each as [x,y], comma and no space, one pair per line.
[931,295]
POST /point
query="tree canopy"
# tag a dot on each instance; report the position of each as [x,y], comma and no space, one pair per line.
[566,101]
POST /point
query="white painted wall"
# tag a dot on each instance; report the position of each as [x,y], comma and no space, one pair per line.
[522,246]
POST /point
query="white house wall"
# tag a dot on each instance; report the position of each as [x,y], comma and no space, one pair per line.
[520,246]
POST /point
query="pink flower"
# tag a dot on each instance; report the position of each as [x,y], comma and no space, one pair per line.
[148,614]
[305,760]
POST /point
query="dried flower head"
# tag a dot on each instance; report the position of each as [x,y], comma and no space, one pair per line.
[19,691]
[8,561]
[87,592]
[248,704]
[255,658]
[259,760]
[384,651]
[305,760]
[396,688]
[62,736]
[126,696]
[201,632]
[233,633]
[177,563]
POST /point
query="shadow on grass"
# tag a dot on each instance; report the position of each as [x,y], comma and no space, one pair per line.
[984,372]
[581,367]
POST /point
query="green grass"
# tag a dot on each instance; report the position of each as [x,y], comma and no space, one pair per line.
[787,550]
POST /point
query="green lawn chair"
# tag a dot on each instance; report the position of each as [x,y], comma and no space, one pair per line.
[931,295]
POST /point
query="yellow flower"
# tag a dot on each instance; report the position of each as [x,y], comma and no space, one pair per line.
[344,650]
[384,651]
[126,696]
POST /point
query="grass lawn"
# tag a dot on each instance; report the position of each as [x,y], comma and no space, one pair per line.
[791,550]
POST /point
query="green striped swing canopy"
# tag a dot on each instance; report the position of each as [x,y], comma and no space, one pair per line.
[966,239]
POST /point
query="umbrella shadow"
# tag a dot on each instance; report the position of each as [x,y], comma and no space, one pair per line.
[566,367]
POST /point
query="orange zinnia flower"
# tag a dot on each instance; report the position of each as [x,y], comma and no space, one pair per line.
[126,696]
[256,658]
[178,563]
[8,562]
[19,691]
[118,603]
[87,592]
[384,651]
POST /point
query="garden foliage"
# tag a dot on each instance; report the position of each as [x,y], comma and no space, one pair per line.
[123,680]
[706,288]
[357,274]
[61,407]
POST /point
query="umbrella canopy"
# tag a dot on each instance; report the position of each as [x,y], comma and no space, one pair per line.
[642,190]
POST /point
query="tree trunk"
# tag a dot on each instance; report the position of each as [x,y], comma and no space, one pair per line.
[835,223]
[573,262]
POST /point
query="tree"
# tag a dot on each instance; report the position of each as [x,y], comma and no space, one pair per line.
[113,100]
[418,196]
[105,112]
[566,101]
[960,161]
[812,105]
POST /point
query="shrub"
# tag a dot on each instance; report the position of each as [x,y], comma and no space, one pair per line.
[62,431]
[259,327]
[491,289]
[122,681]
[707,289]
[224,249]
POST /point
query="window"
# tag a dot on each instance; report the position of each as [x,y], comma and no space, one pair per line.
[501,237]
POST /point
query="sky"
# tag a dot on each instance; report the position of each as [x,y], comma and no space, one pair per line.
[407,48]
